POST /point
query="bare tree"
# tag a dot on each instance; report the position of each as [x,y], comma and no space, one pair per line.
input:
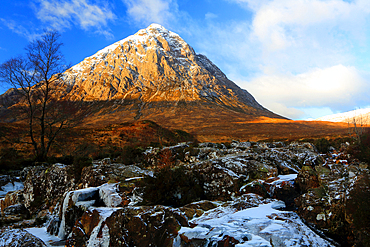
[37,77]
[357,125]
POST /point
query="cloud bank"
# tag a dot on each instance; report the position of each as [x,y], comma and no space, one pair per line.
[296,55]
[335,87]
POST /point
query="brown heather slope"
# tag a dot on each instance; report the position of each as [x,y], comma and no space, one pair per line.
[213,123]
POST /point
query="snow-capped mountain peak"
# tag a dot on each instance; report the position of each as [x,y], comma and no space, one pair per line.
[155,65]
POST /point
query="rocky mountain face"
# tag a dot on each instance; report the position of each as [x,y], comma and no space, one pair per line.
[155,67]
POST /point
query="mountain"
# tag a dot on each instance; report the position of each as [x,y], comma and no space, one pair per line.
[157,67]
[155,75]
[359,116]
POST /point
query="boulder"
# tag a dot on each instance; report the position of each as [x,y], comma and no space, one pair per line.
[74,205]
[19,238]
[46,185]
[327,195]
[12,198]
[128,226]
[282,187]
[91,228]
[96,175]
[145,226]
[223,177]
[196,209]
[249,220]
[307,179]
[18,209]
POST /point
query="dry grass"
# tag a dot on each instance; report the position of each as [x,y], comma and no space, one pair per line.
[219,124]
[119,126]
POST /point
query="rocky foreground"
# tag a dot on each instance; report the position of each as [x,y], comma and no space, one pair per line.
[243,194]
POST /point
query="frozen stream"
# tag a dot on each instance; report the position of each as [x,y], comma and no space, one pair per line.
[42,234]
[11,186]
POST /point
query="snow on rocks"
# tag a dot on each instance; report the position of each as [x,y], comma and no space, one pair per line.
[101,173]
[108,193]
[9,187]
[76,202]
[41,233]
[90,229]
[18,237]
[326,194]
[261,225]
[106,211]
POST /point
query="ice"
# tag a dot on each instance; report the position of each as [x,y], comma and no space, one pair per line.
[76,196]
[284,178]
[134,178]
[100,234]
[9,187]
[108,193]
[257,226]
[42,234]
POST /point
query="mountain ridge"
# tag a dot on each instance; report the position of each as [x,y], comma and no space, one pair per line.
[155,65]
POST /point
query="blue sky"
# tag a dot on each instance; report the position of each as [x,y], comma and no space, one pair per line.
[299,58]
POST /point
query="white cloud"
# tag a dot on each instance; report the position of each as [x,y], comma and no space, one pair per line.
[337,87]
[210,16]
[149,11]
[65,13]
[279,24]
[296,57]
[19,29]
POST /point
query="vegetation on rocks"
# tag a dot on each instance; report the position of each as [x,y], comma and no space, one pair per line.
[175,186]
[326,190]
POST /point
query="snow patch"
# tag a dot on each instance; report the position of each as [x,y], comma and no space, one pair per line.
[42,234]
[264,225]
[9,187]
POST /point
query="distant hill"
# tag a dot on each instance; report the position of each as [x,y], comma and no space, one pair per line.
[360,116]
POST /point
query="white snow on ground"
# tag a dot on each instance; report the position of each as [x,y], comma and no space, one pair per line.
[284,178]
[42,234]
[258,226]
[10,187]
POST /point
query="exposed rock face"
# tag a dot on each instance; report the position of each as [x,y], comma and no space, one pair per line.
[99,174]
[155,65]
[307,179]
[46,184]
[12,198]
[226,170]
[129,226]
[19,238]
[113,212]
[327,196]
[156,226]
[282,187]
